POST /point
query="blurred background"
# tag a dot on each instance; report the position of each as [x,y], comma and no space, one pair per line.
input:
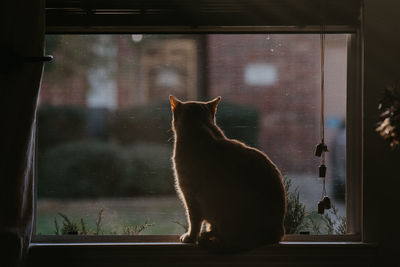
[104,123]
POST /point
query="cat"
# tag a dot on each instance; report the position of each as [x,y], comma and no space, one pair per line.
[234,189]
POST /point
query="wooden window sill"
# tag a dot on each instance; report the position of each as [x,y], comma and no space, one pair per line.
[177,254]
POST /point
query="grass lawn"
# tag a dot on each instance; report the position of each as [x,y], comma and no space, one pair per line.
[118,213]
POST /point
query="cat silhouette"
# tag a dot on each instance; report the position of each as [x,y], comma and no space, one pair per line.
[234,189]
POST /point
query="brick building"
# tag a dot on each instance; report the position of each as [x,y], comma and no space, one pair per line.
[277,74]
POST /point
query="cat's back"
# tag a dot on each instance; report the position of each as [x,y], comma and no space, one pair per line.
[243,158]
[249,185]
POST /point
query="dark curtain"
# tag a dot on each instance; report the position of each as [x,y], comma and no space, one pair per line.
[22,30]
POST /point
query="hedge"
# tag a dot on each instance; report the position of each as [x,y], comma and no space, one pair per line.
[154,124]
[98,169]
[86,153]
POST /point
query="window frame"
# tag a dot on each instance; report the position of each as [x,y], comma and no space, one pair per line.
[353,130]
[175,254]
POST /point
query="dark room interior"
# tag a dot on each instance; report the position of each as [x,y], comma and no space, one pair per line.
[140,52]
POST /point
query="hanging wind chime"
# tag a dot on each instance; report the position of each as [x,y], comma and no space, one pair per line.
[322,148]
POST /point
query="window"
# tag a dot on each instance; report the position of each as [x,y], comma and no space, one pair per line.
[148,19]
[104,143]
[260,74]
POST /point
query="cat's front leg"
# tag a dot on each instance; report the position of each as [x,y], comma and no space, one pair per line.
[194,221]
[193,231]
[188,238]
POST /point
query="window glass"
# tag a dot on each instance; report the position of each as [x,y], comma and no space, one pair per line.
[104,124]
[260,74]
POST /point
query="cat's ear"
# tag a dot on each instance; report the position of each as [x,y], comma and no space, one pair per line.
[175,102]
[213,104]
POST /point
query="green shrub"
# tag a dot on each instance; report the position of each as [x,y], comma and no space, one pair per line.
[82,169]
[129,156]
[142,124]
[329,223]
[97,169]
[153,123]
[295,210]
[57,125]
[62,124]
[152,167]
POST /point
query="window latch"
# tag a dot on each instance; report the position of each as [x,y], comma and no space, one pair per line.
[12,60]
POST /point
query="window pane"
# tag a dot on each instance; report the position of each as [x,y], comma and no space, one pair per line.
[104,137]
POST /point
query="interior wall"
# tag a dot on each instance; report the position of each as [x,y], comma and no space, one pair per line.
[381,164]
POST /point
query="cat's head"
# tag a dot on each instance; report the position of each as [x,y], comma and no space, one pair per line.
[193,112]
